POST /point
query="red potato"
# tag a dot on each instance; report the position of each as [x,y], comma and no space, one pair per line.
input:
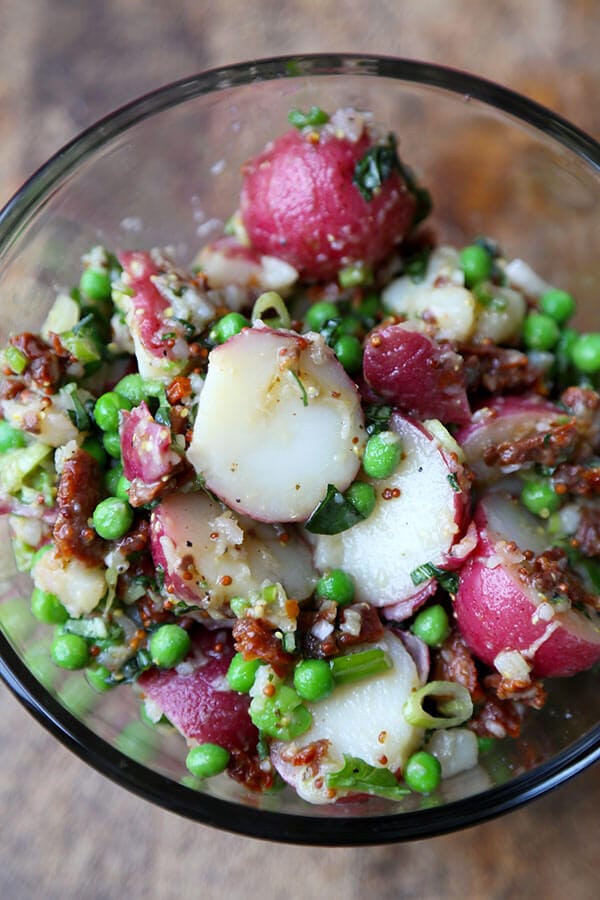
[146,447]
[419,517]
[196,698]
[504,419]
[209,555]
[417,374]
[278,420]
[363,719]
[299,203]
[497,611]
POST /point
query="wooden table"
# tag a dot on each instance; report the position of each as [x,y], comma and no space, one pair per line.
[68,833]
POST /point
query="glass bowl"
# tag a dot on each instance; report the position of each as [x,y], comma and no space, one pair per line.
[165,170]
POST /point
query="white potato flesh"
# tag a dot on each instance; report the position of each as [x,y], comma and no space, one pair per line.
[450,308]
[191,533]
[364,720]
[418,526]
[278,420]
[78,587]
[501,321]
[45,418]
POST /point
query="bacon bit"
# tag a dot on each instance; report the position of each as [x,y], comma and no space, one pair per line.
[269,690]
[225,580]
[531,693]
[245,768]
[547,447]
[454,662]
[254,640]
[497,719]
[79,492]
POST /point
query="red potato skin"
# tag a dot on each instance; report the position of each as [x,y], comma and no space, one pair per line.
[298,202]
[416,374]
[139,269]
[194,704]
[174,582]
[494,613]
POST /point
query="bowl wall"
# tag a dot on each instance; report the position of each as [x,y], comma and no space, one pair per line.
[166,171]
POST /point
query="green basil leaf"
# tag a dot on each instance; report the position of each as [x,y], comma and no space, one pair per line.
[359,776]
[333,514]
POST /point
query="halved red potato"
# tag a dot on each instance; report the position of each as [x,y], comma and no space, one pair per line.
[419,516]
[499,611]
[196,698]
[299,202]
[364,719]
[504,419]
[417,374]
[209,554]
[278,420]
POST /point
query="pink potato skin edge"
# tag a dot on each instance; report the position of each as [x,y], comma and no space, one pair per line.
[494,614]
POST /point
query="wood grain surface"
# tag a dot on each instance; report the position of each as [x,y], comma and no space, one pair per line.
[66,832]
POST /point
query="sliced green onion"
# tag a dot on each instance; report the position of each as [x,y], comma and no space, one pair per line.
[356,666]
[315,116]
[15,359]
[270,301]
[453,701]
[81,346]
[355,275]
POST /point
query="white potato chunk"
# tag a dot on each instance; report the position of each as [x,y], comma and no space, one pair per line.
[364,719]
[502,319]
[278,420]
[449,308]
[78,587]
[417,526]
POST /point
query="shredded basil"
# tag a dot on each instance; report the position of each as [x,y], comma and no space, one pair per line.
[377,418]
[357,775]
[376,166]
[446,580]
[334,513]
[453,482]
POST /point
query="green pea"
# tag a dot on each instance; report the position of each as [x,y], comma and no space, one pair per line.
[10,438]
[336,585]
[111,442]
[95,284]
[352,324]
[70,651]
[319,314]
[423,772]
[241,673]
[133,388]
[47,608]
[207,760]
[539,498]
[97,678]
[383,453]
[228,327]
[540,332]
[93,446]
[281,716]
[122,489]
[313,679]
[431,625]
[348,350]
[362,496]
[169,645]
[585,353]
[355,274]
[112,477]
[485,744]
[476,263]
[107,409]
[370,307]
[112,518]
[557,304]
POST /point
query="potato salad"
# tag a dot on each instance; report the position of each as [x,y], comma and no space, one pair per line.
[326,495]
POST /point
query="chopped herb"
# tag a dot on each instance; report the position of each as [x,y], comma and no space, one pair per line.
[377,418]
[453,482]
[168,336]
[80,415]
[315,116]
[187,326]
[415,266]
[301,386]
[160,577]
[358,776]
[447,580]
[335,513]
[376,166]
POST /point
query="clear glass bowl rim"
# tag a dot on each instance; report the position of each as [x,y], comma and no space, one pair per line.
[264,824]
